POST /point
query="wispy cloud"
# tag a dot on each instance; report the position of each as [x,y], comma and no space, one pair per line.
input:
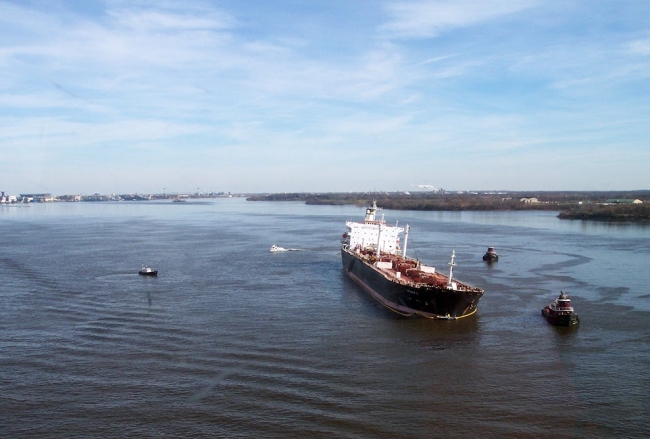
[428,18]
[144,20]
[640,46]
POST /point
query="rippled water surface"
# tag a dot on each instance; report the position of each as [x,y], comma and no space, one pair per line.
[231,340]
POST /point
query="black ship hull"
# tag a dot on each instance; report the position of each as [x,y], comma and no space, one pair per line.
[560,319]
[410,300]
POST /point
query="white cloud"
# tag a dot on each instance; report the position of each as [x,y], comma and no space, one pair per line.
[158,21]
[640,47]
[421,19]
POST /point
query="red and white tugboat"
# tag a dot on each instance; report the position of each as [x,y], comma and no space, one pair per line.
[560,312]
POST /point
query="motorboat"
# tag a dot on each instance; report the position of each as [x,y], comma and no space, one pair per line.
[147,271]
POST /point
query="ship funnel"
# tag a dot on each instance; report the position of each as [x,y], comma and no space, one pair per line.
[370,211]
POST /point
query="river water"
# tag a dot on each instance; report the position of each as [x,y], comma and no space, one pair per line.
[231,340]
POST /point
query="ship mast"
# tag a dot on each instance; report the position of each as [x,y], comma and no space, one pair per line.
[406,238]
[451,268]
[379,241]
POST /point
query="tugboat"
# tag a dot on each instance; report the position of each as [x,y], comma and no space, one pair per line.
[560,312]
[490,255]
[146,271]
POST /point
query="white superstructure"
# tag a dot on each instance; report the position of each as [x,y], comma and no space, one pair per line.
[373,234]
[6,199]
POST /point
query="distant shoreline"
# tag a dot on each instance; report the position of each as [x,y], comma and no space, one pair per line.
[630,206]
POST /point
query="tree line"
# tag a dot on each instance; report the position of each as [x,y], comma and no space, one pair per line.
[572,205]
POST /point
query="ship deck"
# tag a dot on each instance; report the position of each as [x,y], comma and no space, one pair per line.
[404,271]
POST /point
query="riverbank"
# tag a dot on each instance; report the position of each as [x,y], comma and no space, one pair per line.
[597,206]
[614,212]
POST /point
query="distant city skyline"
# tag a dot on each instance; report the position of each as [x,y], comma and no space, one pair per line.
[124,96]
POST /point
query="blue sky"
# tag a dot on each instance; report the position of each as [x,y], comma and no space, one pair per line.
[297,95]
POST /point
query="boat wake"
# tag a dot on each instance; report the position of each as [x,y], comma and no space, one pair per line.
[275,249]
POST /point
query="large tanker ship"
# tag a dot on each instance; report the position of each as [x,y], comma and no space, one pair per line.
[372,257]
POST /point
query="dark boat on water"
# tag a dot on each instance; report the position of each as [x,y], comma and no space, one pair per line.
[146,271]
[560,312]
[372,257]
[490,255]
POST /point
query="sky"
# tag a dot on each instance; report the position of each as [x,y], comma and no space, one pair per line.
[237,96]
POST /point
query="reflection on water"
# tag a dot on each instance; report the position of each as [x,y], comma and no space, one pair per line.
[537,220]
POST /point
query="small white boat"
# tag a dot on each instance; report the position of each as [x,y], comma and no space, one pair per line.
[275,249]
